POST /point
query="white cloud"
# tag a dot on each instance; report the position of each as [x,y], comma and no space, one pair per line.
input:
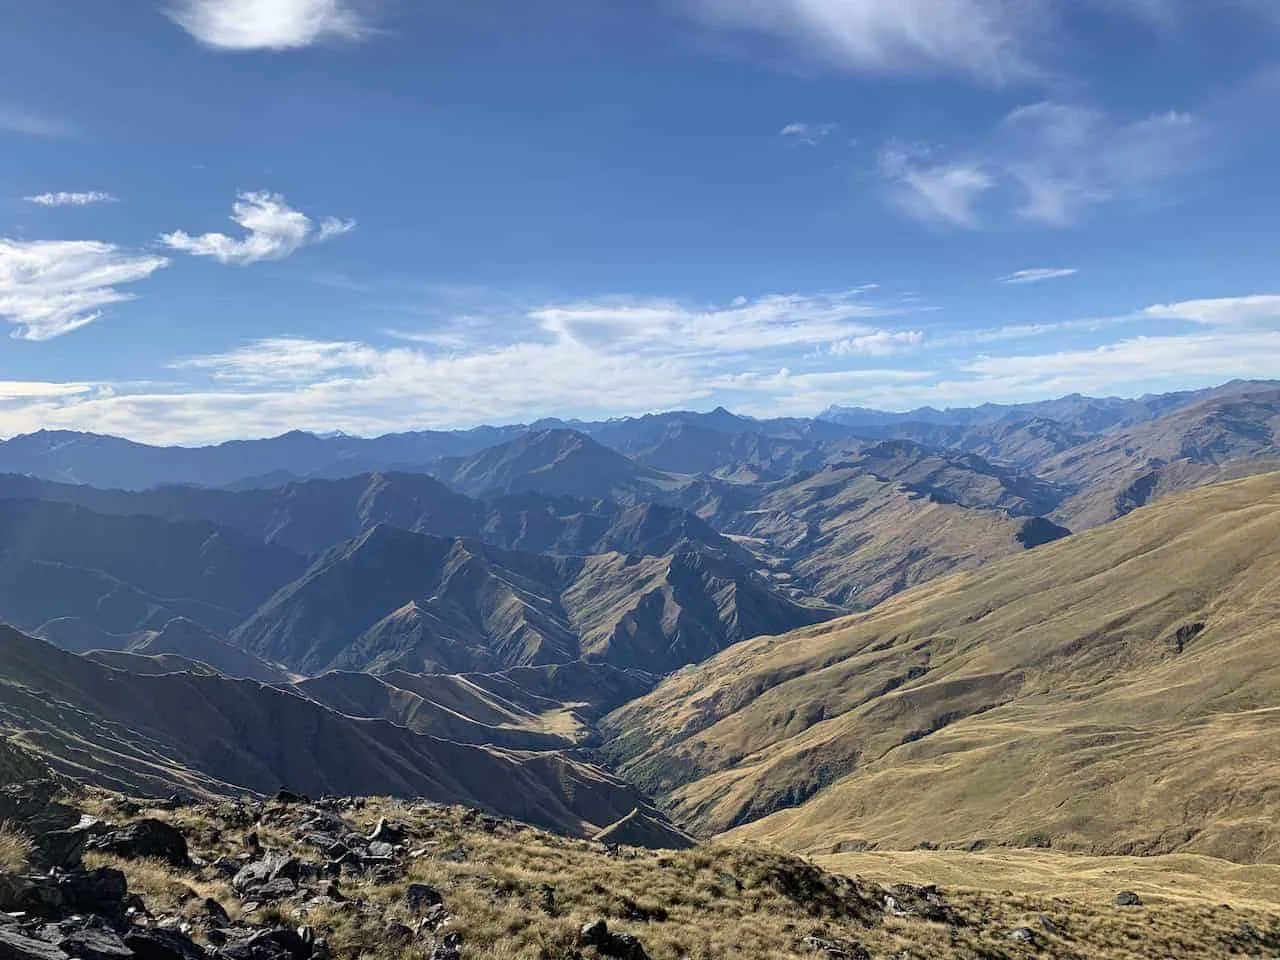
[552,360]
[1038,275]
[64,199]
[1138,360]
[48,288]
[1224,311]
[1065,158]
[808,134]
[267,24]
[993,41]
[881,343]
[1049,163]
[984,38]
[769,355]
[940,192]
[30,124]
[273,231]
[38,389]
[770,322]
[291,360]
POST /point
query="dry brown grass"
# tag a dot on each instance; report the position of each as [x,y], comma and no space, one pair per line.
[1046,698]
[704,904]
[15,850]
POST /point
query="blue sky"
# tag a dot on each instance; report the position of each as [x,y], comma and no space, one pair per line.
[225,218]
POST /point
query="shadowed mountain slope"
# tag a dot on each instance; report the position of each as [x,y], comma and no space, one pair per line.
[1219,439]
[122,574]
[1112,692]
[395,600]
[554,462]
[215,736]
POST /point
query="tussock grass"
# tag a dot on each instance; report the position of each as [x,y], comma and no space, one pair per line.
[15,849]
[711,903]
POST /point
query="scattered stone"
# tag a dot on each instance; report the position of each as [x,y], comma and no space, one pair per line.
[837,949]
[216,911]
[450,948]
[1127,898]
[380,850]
[95,944]
[621,945]
[420,896]
[1047,923]
[267,870]
[225,866]
[278,944]
[149,943]
[1023,935]
[547,899]
[277,889]
[387,832]
[145,839]
[14,946]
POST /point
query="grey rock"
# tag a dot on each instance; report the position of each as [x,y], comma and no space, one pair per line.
[216,911]
[15,946]
[387,832]
[277,889]
[837,949]
[278,944]
[145,839]
[624,946]
[1127,898]
[261,872]
[148,943]
[420,896]
[449,948]
[1023,935]
[95,944]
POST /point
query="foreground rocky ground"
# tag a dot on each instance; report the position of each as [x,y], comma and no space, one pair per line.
[101,877]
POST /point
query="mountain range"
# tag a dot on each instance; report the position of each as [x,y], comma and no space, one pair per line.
[1112,693]
[1003,619]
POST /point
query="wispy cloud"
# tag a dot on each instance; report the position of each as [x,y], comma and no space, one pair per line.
[988,39]
[880,343]
[808,134]
[1048,163]
[49,288]
[1038,275]
[992,41]
[64,199]
[768,355]
[1065,158]
[273,231]
[1251,311]
[40,390]
[268,24]
[548,360]
[940,192]
[770,322]
[31,124]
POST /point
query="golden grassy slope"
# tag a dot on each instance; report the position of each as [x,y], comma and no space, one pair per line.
[853,539]
[515,893]
[1063,697]
[1090,881]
